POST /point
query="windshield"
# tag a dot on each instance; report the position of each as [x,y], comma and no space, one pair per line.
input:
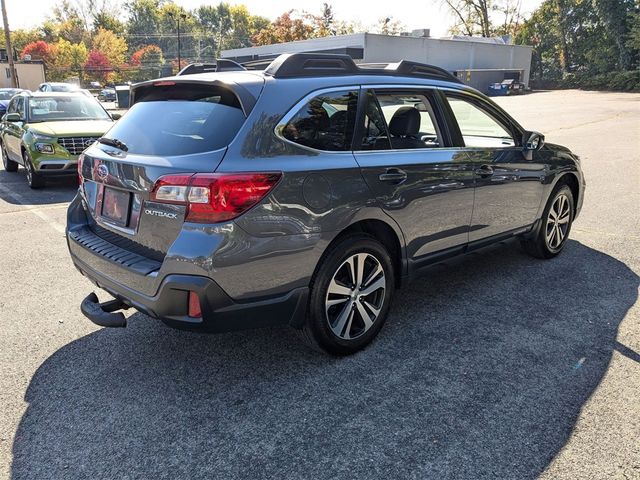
[203,122]
[49,109]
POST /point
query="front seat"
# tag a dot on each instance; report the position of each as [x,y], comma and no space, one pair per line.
[404,128]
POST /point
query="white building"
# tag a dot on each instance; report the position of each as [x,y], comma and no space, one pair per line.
[30,74]
[476,61]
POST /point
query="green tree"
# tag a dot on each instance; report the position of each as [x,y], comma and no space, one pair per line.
[614,15]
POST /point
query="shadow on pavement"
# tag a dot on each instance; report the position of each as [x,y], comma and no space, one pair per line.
[480,372]
[15,191]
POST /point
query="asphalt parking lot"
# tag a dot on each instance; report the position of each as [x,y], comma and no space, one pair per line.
[500,366]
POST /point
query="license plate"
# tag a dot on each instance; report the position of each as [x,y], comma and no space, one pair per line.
[116,206]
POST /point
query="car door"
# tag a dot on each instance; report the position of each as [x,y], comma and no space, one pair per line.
[508,188]
[13,130]
[417,177]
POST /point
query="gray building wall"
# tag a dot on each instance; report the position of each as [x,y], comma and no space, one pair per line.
[450,54]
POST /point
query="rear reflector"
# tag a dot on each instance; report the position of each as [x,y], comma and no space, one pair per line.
[215,197]
[194,306]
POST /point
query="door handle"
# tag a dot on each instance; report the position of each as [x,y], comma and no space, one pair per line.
[393,175]
[484,171]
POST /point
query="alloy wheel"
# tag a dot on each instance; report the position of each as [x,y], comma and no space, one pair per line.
[28,168]
[355,296]
[558,221]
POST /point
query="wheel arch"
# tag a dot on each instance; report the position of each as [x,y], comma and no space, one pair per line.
[570,179]
[387,234]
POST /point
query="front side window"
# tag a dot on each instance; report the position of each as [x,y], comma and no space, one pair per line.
[325,123]
[399,121]
[20,107]
[478,128]
[13,106]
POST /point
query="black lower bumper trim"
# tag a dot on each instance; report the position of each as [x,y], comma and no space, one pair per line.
[103,314]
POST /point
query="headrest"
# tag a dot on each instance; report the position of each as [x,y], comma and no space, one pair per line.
[406,121]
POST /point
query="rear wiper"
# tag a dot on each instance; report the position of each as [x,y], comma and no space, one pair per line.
[113,142]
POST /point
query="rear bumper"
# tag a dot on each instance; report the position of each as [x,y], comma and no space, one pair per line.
[219,312]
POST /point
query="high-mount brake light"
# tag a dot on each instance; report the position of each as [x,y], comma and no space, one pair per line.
[164,83]
[215,197]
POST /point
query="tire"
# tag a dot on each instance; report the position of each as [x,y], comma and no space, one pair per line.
[555,227]
[33,179]
[9,165]
[342,321]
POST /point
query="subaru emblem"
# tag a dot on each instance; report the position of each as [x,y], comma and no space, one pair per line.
[102,171]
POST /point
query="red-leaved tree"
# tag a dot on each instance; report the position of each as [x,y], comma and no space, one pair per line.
[98,66]
[39,50]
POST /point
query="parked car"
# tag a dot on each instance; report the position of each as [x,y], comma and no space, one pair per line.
[45,132]
[107,95]
[58,87]
[305,195]
[6,94]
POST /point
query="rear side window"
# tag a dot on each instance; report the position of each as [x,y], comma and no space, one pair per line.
[325,123]
[180,121]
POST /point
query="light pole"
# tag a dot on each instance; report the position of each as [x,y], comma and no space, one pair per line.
[177,17]
[7,36]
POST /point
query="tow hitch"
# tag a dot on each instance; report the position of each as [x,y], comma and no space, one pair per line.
[103,313]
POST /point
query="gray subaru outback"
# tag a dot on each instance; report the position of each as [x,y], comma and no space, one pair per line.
[305,194]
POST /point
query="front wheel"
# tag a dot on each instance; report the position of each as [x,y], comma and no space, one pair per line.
[8,164]
[350,296]
[33,179]
[557,219]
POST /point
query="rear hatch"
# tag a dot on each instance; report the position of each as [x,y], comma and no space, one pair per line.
[174,129]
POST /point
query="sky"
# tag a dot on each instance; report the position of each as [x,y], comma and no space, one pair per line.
[412,13]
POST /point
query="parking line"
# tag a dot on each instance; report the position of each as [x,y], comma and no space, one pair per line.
[24,204]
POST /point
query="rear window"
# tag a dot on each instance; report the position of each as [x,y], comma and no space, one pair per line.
[180,121]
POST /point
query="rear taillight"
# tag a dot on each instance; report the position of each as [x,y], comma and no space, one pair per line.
[215,197]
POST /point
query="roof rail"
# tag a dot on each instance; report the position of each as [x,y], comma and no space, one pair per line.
[292,65]
[289,65]
[221,65]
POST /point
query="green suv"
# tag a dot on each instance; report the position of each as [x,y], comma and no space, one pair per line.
[47,131]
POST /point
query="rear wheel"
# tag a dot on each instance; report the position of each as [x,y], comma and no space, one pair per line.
[33,179]
[556,225]
[350,296]
[9,165]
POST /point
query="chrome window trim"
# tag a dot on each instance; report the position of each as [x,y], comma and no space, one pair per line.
[278,130]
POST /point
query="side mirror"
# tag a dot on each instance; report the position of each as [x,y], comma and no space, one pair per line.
[116,116]
[531,141]
[13,117]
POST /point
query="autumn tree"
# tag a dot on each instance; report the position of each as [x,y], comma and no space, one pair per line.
[285,28]
[39,50]
[389,26]
[148,55]
[98,67]
[111,45]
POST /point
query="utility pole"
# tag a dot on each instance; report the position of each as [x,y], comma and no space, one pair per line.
[7,37]
[179,16]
